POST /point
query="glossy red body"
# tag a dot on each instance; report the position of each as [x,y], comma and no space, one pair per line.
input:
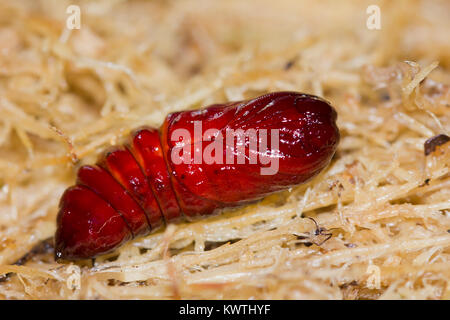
[138,188]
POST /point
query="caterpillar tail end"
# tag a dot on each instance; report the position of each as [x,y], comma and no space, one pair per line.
[87,226]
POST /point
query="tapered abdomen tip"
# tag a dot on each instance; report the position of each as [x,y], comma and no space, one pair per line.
[87,226]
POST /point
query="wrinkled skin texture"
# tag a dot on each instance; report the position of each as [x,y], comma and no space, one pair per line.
[136,189]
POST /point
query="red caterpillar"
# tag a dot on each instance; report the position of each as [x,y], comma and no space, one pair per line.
[140,187]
